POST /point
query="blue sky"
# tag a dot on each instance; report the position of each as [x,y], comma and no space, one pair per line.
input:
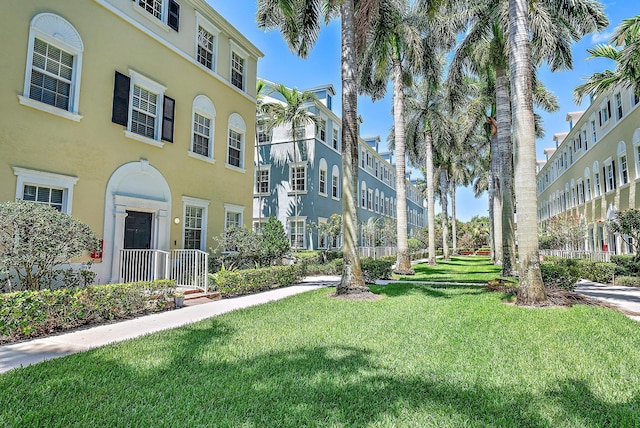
[323,66]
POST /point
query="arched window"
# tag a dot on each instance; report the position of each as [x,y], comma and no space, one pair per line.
[322,177]
[54,63]
[235,143]
[335,182]
[203,127]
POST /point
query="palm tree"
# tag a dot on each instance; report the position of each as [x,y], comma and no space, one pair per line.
[397,48]
[625,51]
[531,289]
[300,24]
[426,119]
[295,113]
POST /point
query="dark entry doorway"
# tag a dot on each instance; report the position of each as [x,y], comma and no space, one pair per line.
[137,230]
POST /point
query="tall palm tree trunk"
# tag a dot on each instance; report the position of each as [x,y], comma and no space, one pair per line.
[431,197]
[352,279]
[531,289]
[445,213]
[505,150]
[403,261]
[495,200]
[454,232]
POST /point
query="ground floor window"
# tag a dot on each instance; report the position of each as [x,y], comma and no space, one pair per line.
[296,233]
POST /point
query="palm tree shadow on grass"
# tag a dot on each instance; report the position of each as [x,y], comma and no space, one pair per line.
[430,290]
[310,385]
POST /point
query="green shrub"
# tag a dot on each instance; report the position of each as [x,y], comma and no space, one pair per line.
[628,281]
[596,271]
[334,267]
[626,265]
[26,314]
[563,274]
[374,269]
[241,282]
[309,257]
[415,245]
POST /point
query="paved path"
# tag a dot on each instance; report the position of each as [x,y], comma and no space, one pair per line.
[627,299]
[34,351]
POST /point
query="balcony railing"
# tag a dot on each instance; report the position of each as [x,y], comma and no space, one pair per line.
[190,268]
[377,252]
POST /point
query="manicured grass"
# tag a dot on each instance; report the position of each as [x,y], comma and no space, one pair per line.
[441,356]
[469,269]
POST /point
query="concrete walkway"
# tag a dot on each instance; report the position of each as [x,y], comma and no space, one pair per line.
[627,299]
[34,351]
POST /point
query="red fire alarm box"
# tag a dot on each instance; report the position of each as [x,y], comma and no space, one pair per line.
[96,256]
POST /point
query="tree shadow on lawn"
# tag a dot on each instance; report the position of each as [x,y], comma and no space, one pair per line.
[430,290]
[196,385]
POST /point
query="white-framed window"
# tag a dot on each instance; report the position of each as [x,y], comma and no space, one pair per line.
[166,12]
[363,195]
[263,179]
[635,99]
[233,215]
[296,232]
[618,99]
[335,183]
[145,110]
[258,224]
[336,141]
[206,43]
[362,158]
[322,189]
[238,67]
[322,130]
[54,64]
[195,215]
[584,139]
[55,190]
[624,171]
[298,177]
[202,132]
[265,134]
[323,239]
[609,178]
[605,113]
[235,141]
[370,200]
[376,207]
[596,183]
[593,131]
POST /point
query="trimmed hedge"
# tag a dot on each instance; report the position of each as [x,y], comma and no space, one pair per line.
[596,271]
[626,265]
[374,269]
[563,273]
[628,281]
[28,314]
[248,281]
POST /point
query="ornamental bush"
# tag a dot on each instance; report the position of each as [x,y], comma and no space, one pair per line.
[626,265]
[35,239]
[628,281]
[27,314]
[596,271]
[374,269]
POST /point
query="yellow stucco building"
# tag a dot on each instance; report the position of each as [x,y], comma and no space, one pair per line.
[136,117]
[594,168]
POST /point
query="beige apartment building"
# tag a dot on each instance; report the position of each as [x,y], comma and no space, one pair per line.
[594,168]
[136,117]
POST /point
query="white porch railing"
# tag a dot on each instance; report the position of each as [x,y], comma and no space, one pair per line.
[190,268]
[377,252]
[143,265]
[596,256]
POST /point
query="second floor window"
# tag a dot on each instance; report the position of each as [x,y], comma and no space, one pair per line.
[298,179]
[237,71]
[235,148]
[206,53]
[201,134]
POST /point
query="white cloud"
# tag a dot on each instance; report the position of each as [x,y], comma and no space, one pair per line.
[601,37]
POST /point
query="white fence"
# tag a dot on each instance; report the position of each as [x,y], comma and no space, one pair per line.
[143,265]
[596,256]
[189,268]
[377,252]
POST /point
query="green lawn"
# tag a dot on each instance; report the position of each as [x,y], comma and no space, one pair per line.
[442,356]
[470,269]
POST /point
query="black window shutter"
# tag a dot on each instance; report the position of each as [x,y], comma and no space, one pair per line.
[609,107]
[121,88]
[600,117]
[168,110]
[174,15]
[606,180]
